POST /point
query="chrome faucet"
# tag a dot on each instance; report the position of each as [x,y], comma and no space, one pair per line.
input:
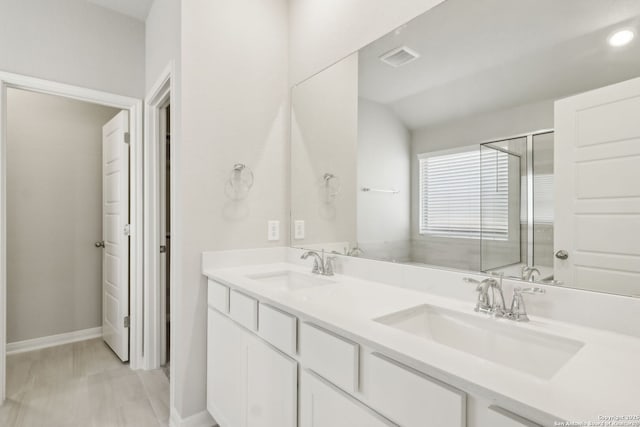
[355,251]
[493,303]
[527,273]
[518,311]
[321,265]
[489,303]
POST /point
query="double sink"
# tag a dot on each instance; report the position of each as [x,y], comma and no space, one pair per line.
[496,340]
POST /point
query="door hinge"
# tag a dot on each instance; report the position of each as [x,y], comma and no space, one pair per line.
[126,321]
[127,137]
[127,230]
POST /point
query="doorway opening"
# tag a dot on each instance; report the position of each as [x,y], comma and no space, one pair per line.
[165,234]
[72,213]
[67,187]
[161,252]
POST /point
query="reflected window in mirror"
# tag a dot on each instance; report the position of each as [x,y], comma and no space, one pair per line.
[450,194]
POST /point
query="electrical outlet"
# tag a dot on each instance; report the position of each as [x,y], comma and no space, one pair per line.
[273,230]
[298,232]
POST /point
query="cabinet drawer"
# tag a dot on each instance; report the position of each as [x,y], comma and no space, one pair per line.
[218,296]
[333,357]
[502,418]
[244,310]
[324,405]
[278,328]
[409,397]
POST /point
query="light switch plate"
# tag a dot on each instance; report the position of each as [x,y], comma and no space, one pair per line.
[298,232]
[273,230]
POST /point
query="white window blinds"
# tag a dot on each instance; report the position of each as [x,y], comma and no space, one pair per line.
[460,196]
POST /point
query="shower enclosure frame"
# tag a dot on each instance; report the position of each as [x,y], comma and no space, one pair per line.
[529,187]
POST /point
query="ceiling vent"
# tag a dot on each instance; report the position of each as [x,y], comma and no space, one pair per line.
[399,56]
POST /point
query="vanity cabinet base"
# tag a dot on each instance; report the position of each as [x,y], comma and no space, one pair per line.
[249,383]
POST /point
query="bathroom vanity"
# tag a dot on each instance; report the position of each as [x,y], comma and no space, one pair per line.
[290,348]
[496,141]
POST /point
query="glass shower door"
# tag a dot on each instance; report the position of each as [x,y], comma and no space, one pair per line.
[543,204]
[504,206]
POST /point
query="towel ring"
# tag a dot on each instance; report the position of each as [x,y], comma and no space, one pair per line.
[240,182]
[332,185]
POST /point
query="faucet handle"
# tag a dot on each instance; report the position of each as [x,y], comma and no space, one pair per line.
[482,287]
[518,311]
[530,291]
[474,281]
[328,266]
[316,267]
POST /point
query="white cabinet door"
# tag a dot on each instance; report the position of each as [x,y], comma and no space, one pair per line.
[249,383]
[324,405]
[597,196]
[226,370]
[272,386]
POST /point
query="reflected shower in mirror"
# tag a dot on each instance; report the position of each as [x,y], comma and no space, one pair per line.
[516,197]
[445,142]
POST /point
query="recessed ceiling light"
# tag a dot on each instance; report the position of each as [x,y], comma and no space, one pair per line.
[621,38]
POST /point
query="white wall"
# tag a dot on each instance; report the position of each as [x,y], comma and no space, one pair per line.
[162,39]
[465,253]
[383,162]
[484,127]
[324,31]
[54,214]
[163,46]
[234,109]
[234,77]
[73,42]
[324,136]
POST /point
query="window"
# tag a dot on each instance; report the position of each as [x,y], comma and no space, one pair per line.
[460,196]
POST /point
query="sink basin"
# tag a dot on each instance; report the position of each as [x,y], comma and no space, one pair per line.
[290,280]
[535,353]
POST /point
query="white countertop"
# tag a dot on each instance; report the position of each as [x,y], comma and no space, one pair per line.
[602,379]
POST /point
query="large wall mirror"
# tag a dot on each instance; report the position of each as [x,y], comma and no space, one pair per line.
[497,136]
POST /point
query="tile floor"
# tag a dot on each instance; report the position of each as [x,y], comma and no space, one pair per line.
[82,384]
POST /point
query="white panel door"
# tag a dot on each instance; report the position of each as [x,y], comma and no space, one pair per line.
[115,219]
[597,194]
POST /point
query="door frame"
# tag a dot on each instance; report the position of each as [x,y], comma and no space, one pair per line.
[134,107]
[160,94]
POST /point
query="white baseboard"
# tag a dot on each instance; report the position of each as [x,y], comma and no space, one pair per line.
[201,419]
[53,340]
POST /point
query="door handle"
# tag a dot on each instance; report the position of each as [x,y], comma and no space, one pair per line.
[562,254]
[163,249]
[99,244]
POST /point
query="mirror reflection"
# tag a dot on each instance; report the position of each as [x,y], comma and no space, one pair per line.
[437,144]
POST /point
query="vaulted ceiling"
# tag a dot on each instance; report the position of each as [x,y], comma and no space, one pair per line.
[480,56]
[138,9]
